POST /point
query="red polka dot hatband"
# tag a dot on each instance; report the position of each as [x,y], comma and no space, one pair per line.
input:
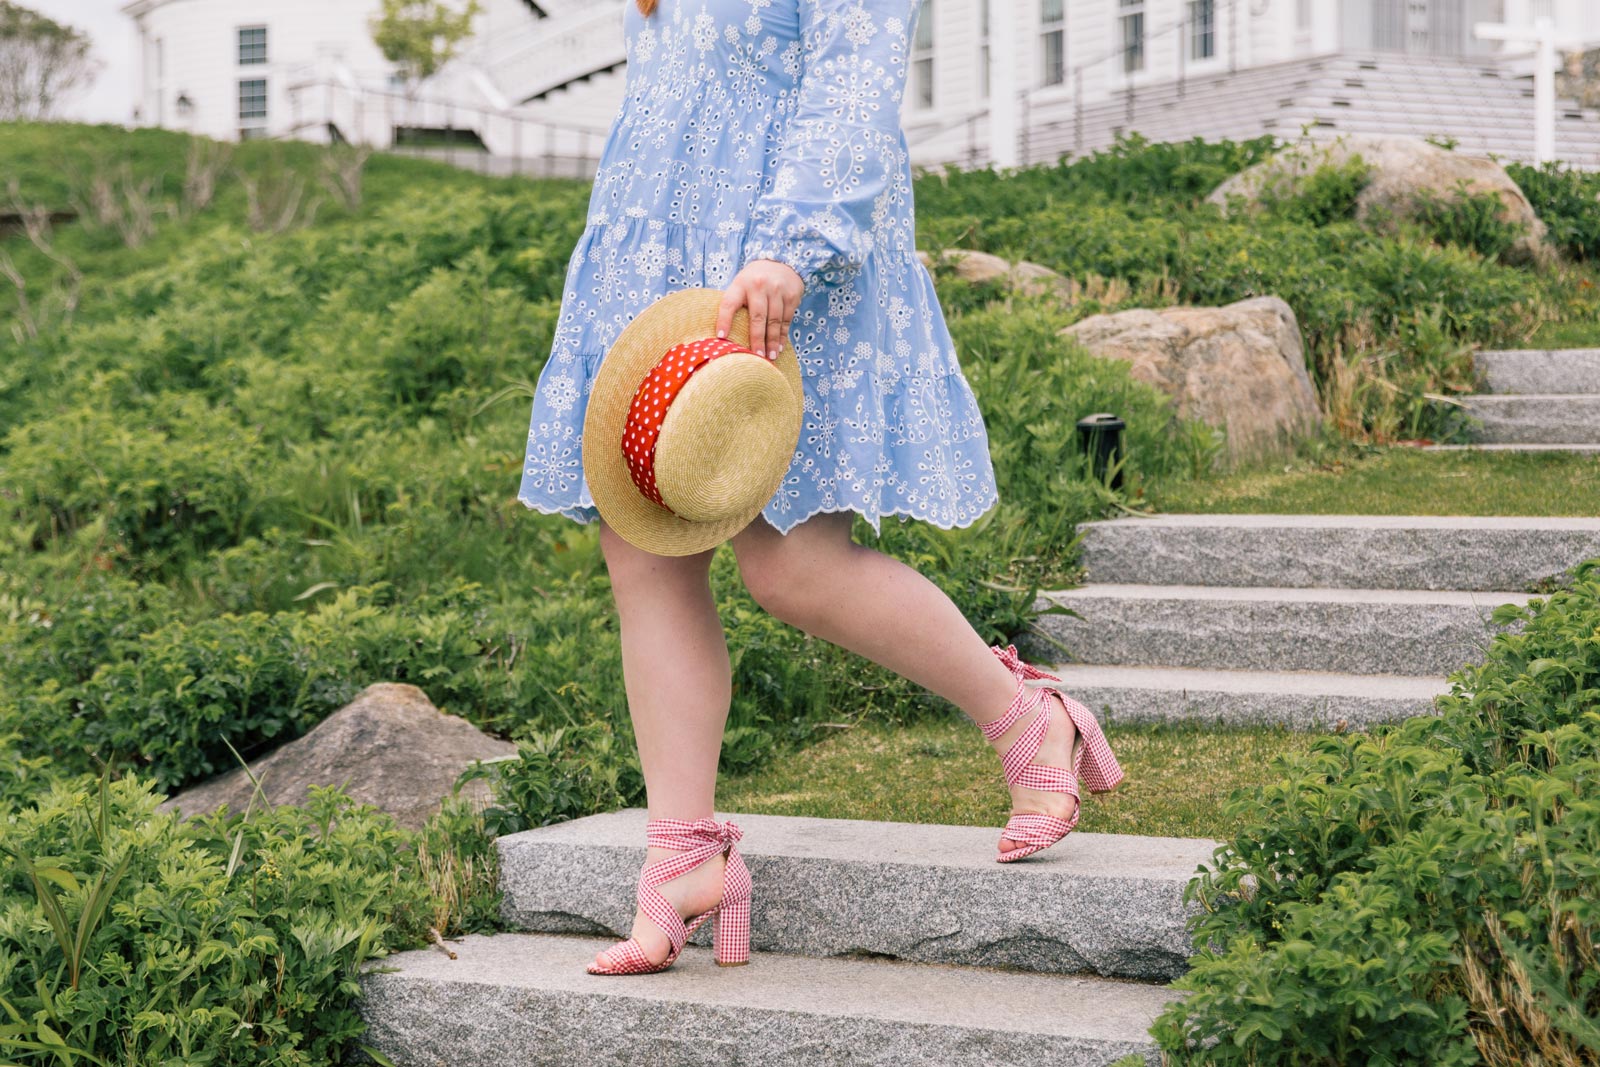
[688,435]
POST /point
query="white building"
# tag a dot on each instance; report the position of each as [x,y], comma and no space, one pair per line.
[1007,80]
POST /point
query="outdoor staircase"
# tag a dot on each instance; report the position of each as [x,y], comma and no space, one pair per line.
[1312,621]
[872,943]
[576,43]
[1537,400]
[1484,104]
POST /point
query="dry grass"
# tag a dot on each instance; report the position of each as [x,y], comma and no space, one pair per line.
[944,772]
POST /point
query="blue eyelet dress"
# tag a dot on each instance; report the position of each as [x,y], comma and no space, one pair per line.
[770,129]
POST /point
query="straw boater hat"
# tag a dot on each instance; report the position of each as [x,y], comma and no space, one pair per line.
[688,435]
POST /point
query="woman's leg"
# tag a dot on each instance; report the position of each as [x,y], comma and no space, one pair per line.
[817,579]
[675,671]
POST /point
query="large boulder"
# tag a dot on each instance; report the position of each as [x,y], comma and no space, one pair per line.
[1404,172]
[389,747]
[1241,367]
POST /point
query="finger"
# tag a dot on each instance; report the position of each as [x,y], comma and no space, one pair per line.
[788,320]
[732,300]
[775,326]
[758,321]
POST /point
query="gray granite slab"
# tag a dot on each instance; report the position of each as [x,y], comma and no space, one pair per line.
[524,1000]
[1347,631]
[1340,551]
[1567,418]
[1561,370]
[1302,700]
[1108,903]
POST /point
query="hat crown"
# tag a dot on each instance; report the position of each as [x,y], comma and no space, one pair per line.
[715,454]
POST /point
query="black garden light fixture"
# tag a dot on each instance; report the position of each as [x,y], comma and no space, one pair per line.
[1100,436]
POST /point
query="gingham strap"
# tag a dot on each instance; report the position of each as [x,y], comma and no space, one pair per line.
[701,839]
[1017,762]
[1009,657]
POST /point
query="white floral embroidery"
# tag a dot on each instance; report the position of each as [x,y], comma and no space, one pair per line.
[769,129]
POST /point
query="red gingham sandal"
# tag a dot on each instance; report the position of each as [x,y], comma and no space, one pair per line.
[1092,759]
[701,839]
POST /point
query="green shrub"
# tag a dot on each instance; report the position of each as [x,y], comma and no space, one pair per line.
[1567,201]
[128,935]
[1424,894]
[1470,220]
[1326,195]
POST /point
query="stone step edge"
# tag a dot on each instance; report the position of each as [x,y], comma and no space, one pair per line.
[509,992]
[1301,700]
[1290,594]
[1107,903]
[1196,520]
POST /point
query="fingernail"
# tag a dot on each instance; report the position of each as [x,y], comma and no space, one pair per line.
[722,333]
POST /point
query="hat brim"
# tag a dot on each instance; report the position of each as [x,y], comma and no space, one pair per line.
[677,318]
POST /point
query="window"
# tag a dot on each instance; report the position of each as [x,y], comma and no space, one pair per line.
[252,45]
[1053,40]
[252,106]
[1132,35]
[983,48]
[1202,29]
[922,56]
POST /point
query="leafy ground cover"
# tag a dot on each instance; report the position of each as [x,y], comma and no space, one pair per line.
[943,771]
[1399,481]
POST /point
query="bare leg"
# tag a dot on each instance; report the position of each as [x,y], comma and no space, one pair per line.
[675,670]
[819,580]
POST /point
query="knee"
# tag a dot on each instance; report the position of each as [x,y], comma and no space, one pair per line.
[779,586]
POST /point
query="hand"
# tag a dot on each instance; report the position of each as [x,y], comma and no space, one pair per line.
[772,291]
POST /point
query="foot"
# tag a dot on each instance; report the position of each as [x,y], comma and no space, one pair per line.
[1055,751]
[691,893]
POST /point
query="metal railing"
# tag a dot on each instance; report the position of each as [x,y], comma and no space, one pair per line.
[491,140]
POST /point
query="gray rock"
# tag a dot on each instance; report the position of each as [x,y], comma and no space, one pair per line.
[1561,370]
[1406,171]
[1349,631]
[389,747]
[1110,903]
[525,1000]
[1241,367]
[1299,700]
[1572,419]
[1341,551]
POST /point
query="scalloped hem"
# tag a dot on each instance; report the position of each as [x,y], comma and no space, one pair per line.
[586,514]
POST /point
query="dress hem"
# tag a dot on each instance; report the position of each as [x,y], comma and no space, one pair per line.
[575,512]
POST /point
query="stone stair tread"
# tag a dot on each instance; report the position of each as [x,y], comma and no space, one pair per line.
[1290,594]
[1524,398]
[1082,855]
[1108,903]
[1355,522]
[1307,683]
[1434,552]
[1516,446]
[526,998]
[1539,371]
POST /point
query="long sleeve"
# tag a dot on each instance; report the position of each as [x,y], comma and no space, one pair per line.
[842,151]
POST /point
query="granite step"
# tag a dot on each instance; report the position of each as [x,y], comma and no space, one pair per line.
[525,1000]
[1107,903]
[1526,446]
[1346,631]
[1339,551]
[1548,418]
[1560,370]
[1301,700]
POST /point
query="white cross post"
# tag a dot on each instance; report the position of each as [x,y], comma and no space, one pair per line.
[1543,36]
